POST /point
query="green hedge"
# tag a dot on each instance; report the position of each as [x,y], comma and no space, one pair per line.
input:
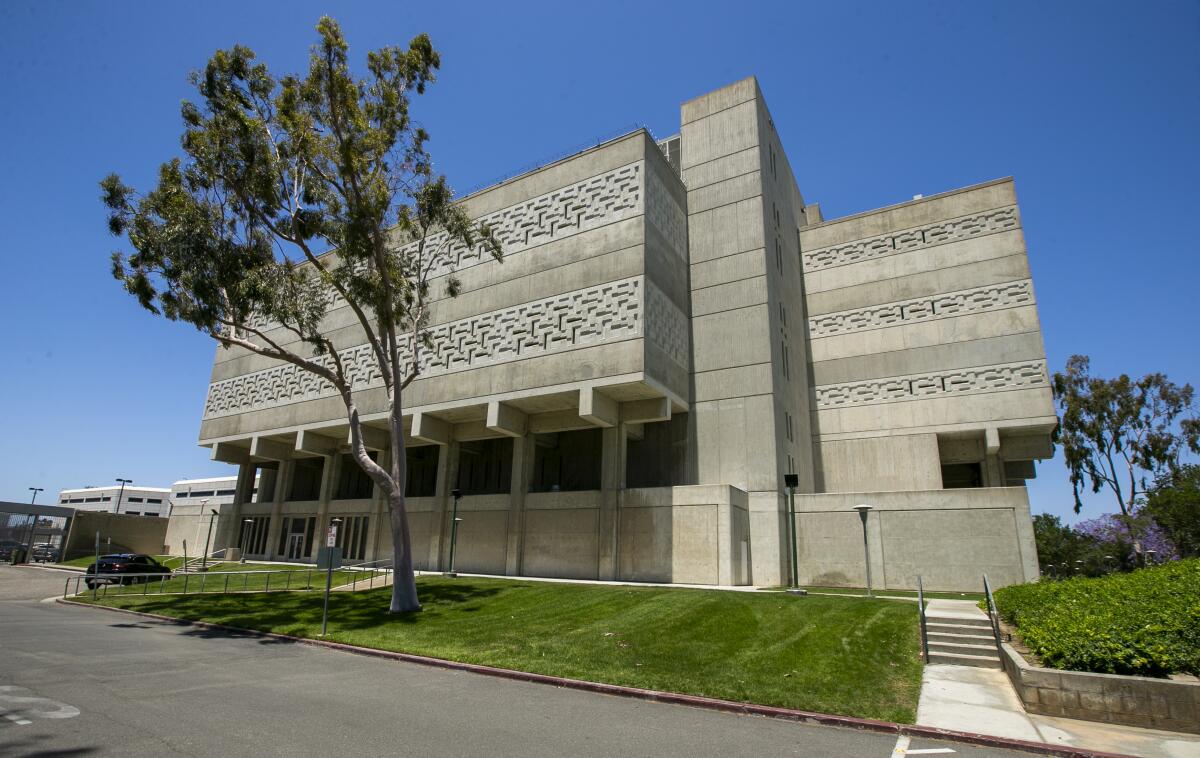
[1146,622]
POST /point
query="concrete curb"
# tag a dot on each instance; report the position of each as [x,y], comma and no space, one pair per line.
[695,701]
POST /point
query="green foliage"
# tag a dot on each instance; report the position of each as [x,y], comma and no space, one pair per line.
[1146,622]
[835,655]
[1174,503]
[1116,432]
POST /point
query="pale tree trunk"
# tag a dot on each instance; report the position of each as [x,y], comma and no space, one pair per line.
[404,582]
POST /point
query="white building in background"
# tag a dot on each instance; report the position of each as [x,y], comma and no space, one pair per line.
[133,501]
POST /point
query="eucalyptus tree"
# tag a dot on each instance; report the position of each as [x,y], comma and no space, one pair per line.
[1122,434]
[296,195]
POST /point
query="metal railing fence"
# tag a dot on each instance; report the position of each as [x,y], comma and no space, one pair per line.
[992,612]
[223,582]
[924,621]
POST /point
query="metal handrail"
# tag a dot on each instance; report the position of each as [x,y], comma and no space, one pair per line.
[993,612]
[369,566]
[921,610]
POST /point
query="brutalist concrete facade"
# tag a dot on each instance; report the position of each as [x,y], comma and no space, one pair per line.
[672,330]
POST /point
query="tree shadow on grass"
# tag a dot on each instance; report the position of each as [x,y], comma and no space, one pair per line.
[368,612]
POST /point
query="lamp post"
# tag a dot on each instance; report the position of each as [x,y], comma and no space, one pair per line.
[454,519]
[121,492]
[791,481]
[245,536]
[207,537]
[863,510]
[32,524]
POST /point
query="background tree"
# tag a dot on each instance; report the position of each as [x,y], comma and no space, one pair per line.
[1174,503]
[1064,552]
[276,172]
[1120,433]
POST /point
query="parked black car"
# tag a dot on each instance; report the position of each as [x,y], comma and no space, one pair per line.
[44,551]
[125,563]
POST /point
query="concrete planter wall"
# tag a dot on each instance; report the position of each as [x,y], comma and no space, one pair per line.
[1109,698]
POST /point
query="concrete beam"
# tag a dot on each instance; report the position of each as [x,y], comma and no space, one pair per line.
[598,409]
[646,411]
[991,440]
[426,428]
[373,439]
[312,443]
[227,453]
[506,420]
[271,450]
[557,421]
[1027,447]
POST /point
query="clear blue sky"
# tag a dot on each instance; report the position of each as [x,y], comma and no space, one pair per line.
[1094,108]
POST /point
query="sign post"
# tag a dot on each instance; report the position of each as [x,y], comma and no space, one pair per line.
[328,558]
[96,575]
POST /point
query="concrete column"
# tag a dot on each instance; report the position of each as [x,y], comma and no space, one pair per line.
[522,470]
[439,532]
[226,531]
[283,481]
[612,482]
[329,478]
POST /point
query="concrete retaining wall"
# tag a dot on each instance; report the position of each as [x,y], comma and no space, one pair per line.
[140,534]
[950,538]
[1108,698]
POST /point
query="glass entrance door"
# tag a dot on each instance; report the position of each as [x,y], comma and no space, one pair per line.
[295,546]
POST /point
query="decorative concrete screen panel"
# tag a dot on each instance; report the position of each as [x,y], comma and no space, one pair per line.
[609,312]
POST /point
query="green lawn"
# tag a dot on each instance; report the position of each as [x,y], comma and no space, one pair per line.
[828,654]
[862,592]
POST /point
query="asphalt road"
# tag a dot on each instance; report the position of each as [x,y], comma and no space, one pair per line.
[82,681]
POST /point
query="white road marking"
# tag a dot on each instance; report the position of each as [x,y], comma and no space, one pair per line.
[49,709]
[901,749]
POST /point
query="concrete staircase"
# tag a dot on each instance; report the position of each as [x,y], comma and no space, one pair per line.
[959,633]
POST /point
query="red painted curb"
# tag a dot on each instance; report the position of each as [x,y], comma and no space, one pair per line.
[695,701]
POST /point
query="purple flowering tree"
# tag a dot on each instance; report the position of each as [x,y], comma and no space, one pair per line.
[1113,531]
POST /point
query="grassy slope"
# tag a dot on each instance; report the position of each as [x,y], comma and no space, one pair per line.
[824,654]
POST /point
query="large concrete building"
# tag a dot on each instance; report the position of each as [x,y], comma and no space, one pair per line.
[674,329]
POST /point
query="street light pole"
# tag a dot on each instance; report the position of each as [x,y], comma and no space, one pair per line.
[863,510]
[791,481]
[456,494]
[245,536]
[120,493]
[207,537]
[32,525]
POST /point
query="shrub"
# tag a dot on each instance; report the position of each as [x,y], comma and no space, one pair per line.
[1146,622]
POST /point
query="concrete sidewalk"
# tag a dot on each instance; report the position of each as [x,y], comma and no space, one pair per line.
[982,700]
